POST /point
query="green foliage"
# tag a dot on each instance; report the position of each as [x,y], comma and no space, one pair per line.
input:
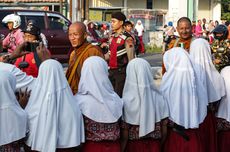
[152,49]
[225,16]
[225,10]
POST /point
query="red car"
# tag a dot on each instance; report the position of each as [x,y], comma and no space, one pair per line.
[52,24]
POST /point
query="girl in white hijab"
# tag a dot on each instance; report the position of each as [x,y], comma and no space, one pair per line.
[140,30]
[22,80]
[101,107]
[144,109]
[206,72]
[13,118]
[55,120]
[223,115]
[139,27]
[184,98]
[210,78]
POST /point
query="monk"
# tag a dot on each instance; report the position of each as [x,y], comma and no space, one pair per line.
[82,50]
[184,29]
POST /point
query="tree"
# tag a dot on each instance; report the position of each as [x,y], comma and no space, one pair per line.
[225,10]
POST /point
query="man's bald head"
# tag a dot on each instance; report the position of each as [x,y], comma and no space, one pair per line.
[79,25]
[184,28]
[184,19]
[77,34]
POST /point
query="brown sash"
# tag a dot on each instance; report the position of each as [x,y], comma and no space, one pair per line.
[76,63]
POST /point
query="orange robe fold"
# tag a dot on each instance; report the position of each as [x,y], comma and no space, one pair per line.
[91,51]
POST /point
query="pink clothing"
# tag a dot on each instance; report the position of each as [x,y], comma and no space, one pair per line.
[13,39]
[198,31]
[210,39]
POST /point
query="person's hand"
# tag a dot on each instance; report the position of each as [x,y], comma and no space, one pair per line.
[107,56]
[217,61]
[103,45]
[129,42]
[19,51]
[24,97]
[42,52]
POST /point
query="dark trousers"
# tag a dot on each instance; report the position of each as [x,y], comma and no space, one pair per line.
[117,78]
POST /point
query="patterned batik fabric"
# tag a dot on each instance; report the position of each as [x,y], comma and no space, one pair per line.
[134,131]
[12,147]
[96,131]
[223,124]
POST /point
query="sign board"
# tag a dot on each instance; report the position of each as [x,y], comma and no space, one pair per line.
[95,15]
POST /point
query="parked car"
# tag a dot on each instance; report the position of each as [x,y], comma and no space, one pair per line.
[52,24]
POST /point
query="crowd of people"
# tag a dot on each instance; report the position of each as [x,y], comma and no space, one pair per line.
[107,100]
[200,29]
[99,34]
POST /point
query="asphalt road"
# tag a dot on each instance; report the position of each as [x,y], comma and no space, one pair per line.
[154,59]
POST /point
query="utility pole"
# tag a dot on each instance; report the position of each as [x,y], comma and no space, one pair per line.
[125,7]
[86,9]
[82,9]
[61,6]
[196,8]
[79,12]
[70,10]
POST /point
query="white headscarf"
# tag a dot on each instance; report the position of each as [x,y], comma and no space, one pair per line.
[13,118]
[139,27]
[22,80]
[206,73]
[96,96]
[55,120]
[143,103]
[179,87]
[224,108]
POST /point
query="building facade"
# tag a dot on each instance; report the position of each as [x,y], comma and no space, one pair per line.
[174,9]
[100,10]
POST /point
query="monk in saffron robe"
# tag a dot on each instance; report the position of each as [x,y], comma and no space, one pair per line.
[82,50]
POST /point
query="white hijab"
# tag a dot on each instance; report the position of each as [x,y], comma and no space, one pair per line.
[224,108]
[139,27]
[13,118]
[144,105]
[96,96]
[179,87]
[55,120]
[22,80]
[206,72]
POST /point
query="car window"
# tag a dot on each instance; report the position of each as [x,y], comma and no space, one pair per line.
[38,17]
[57,22]
[39,20]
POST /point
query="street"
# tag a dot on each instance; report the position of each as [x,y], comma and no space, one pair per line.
[155,60]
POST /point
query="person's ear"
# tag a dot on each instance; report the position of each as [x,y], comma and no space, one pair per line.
[122,23]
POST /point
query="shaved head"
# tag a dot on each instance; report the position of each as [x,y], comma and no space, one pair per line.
[78,25]
[184,28]
[77,34]
[184,19]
